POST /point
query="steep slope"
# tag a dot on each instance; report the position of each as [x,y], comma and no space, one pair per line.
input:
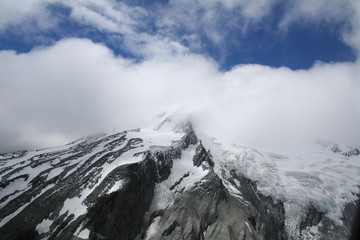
[165,184]
[317,185]
[48,192]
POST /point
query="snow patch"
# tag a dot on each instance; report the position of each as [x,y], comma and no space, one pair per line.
[84,234]
[74,206]
[153,228]
[311,233]
[117,186]
[44,226]
[182,168]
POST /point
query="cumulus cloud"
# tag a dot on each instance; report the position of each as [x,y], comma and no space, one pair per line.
[268,107]
[53,95]
[77,87]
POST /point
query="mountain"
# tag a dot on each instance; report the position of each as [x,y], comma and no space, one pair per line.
[170,182]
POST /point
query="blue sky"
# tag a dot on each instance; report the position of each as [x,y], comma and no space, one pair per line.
[271,72]
[231,38]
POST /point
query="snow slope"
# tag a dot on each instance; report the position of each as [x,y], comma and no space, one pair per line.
[318,176]
[61,184]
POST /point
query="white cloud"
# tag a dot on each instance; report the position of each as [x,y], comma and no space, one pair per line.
[317,12]
[270,107]
[218,20]
[87,16]
[352,37]
[53,95]
[111,16]
[16,12]
[175,20]
[74,88]
[255,9]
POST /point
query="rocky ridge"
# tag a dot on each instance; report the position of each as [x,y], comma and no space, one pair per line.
[144,184]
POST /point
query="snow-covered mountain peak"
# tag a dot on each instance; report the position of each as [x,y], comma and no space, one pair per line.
[172,122]
[164,182]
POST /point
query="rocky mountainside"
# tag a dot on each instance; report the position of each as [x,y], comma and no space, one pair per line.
[169,183]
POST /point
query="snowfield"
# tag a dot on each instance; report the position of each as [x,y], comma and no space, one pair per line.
[312,177]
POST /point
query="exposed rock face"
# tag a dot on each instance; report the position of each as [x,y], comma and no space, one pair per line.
[268,215]
[165,155]
[328,228]
[348,151]
[188,139]
[67,174]
[120,214]
[203,158]
[209,211]
[104,187]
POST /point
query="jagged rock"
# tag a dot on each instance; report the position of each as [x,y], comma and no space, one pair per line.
[188,139]
[269,214]
[120,215]
[202,158]
[184,127]
[179,181]
[209,211]
[165,155]
[350,151]
[327,228]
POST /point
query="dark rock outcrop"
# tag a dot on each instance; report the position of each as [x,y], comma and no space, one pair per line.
[348,153]
[209,211]
[41,203]
[327,228]
[166,155]
[120,215]
[203,158]
[270,214]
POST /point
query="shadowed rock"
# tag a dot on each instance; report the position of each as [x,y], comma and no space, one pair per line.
[120,215]
[202,158]
[209,211]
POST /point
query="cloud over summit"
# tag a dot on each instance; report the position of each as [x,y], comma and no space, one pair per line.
[78,86]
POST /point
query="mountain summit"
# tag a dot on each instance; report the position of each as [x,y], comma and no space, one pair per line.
[169,183]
